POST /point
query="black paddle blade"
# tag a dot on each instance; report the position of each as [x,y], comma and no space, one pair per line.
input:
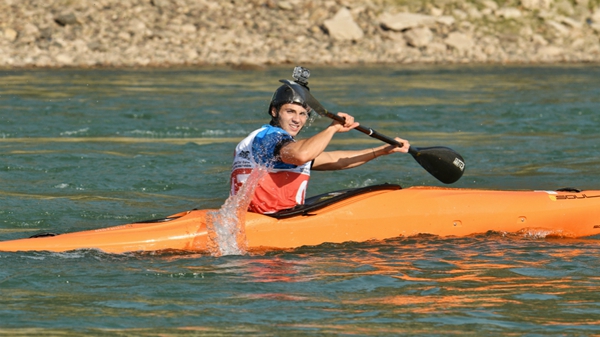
[441,162]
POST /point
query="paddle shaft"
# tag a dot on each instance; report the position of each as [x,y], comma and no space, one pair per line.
[368,131]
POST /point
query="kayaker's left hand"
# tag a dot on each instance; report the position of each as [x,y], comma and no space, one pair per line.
[393,149]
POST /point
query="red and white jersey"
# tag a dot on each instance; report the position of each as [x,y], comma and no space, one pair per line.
[284,186]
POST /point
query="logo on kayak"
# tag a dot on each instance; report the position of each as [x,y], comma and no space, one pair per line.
[459,163]
[574,196]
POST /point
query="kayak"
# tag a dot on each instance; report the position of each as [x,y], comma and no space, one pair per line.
[355,215]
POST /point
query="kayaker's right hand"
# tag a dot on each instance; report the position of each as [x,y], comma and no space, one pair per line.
[348,124]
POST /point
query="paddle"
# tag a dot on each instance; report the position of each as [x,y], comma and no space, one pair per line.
[441,162]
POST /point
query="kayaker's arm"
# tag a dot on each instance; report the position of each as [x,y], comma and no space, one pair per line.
[340,160]
[305,150]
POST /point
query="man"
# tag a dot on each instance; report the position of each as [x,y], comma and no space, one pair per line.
[289,160]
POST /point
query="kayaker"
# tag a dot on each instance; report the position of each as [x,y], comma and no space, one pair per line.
[290,160]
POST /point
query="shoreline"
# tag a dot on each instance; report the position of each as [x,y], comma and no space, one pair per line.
[252,34]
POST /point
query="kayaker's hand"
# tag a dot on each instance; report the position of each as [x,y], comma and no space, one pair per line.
[405,145]
[348,125]
[393,149]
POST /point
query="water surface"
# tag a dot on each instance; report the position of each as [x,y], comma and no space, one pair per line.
[85,149]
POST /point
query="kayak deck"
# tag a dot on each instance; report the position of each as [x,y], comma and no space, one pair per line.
[376,213]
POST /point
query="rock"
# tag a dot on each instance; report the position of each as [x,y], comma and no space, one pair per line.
[46,33]
[136,26]
[402,21]
[125,36]
[30,30]
[558,27]
[459,41]
[43,61]
[95,46]
[436,11]
[436,48]
[29,33]
[570,22]
[67,18]
[549,52]
[418,37]
[509,13]
[188,28]
[160,3]
[445,20]
[564,7]
[488,13]
[474,13]
[10,34]
[539,40]
[579,43]
[342,27]
[533,5]
[64,59]
[490,4]
[285,5]
[460,14]
[596,16]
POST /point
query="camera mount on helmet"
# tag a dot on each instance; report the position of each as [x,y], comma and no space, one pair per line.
[301,75]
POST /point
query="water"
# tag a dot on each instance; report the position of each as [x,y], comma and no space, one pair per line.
[85,149]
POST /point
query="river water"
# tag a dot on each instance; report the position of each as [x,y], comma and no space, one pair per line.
[86,149]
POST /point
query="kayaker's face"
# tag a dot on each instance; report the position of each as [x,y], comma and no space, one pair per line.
[291,117]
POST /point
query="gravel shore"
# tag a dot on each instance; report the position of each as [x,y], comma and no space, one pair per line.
[158,33]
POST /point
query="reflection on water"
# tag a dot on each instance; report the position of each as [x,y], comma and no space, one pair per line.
[500,284]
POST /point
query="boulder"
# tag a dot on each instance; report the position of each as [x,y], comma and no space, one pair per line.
[558,27]
[459,41]
[285,5]
[66,18]
[64,59]
[596,16]
[342,26]
[509,13]
[418,37]
[564,7]
[403,21]
[445,20]
[29,33]
[549,52]
[10,34]
[533,5]
[570,22]
[490,4]
[188,29]
[436,48]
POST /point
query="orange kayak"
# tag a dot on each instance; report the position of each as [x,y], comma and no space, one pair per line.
[371,213]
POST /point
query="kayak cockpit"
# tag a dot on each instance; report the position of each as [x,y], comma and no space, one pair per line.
[323,200]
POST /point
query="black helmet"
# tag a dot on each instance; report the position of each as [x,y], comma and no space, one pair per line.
[284,94]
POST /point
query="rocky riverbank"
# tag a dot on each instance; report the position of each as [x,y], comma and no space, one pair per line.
[140,33]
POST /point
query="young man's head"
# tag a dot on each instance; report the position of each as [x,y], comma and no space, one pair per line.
[288,110]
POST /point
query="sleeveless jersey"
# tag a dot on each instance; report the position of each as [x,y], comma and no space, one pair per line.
[284,186]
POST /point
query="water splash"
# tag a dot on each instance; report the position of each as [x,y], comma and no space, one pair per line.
[226,227]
